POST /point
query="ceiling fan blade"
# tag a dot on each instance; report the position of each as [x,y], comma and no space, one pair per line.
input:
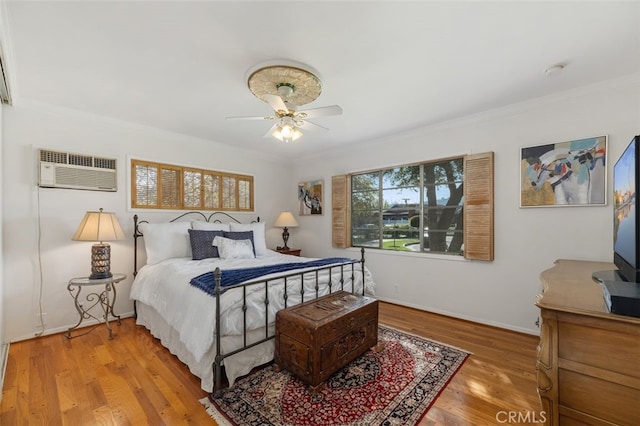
[308,125]
[270,131]
[251,118]
[276,103]
[319,112]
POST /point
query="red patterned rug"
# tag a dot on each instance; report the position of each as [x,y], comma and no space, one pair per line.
[395,386]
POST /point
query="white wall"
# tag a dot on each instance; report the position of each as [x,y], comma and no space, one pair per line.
[501,292]
[54,214]
[527,241]
[3,339]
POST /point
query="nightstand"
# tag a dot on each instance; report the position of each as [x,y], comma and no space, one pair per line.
[98,292]
[290,251]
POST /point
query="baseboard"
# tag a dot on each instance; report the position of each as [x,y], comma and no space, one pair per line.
[510,327]
[63,329]
[4,356]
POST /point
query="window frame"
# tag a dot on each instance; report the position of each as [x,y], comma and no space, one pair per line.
[247,204]
[420,207]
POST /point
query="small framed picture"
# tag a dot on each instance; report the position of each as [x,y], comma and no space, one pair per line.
[310,197]
[570,173]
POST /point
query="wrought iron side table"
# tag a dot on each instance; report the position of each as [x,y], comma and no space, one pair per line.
[99,296]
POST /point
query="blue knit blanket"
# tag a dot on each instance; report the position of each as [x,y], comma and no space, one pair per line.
[229,277]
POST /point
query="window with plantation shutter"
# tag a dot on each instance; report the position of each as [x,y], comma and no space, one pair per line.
[441,206]
[244,193]
[166,186]
[145,185]
[169,187]
[478,206]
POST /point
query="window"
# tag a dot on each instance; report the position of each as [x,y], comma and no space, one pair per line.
[443,206]
[409,208]
[165,186]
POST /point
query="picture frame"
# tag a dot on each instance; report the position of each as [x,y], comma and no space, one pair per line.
[569,173]
[311,198]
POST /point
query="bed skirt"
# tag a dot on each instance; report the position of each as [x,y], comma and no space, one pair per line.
[236,365]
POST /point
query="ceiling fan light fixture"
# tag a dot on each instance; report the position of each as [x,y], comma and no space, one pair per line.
[286,132]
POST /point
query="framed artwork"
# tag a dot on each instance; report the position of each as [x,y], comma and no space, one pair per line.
[571,173]
[310,197]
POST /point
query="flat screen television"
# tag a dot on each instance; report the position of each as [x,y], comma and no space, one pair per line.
[626,222]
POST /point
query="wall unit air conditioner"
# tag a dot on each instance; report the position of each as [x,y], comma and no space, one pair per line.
[76,171]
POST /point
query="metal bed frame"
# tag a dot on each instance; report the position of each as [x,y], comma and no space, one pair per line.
[345,268]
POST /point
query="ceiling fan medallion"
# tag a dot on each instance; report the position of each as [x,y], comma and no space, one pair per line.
[286,87]
[295,85]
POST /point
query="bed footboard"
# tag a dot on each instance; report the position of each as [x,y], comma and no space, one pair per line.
[345,270]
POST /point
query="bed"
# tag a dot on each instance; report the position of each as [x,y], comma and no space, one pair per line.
[210,289]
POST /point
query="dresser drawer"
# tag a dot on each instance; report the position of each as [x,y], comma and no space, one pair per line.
[599,347]
[611,402]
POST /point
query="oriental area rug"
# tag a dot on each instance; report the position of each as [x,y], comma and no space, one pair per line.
[395,386]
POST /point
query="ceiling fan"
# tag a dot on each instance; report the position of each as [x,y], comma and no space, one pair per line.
[285,88]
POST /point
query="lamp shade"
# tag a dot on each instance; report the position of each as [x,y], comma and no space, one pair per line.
[286,220]
[99,226]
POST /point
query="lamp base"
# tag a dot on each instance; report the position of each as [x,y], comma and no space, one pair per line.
[285,238]
[100,261]
[100,276]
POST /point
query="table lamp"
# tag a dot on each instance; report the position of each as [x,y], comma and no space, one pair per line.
[286,220]
[99,226]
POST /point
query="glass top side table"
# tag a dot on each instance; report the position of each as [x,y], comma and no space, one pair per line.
[97,292]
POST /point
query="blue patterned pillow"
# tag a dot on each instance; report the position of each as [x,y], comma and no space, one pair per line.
[201,244]
[244,235]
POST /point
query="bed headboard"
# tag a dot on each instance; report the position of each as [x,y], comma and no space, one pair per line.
[214,217]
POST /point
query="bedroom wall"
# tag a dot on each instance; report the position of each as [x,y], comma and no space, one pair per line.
[39,256]
[527,241]
[3,339]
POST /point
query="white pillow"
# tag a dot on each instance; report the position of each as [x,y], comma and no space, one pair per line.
[166,240]
[258,235]
[233,249]
[201,225]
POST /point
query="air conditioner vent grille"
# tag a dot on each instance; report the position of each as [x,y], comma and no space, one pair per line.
[81,160]
[53,157]
[104,163]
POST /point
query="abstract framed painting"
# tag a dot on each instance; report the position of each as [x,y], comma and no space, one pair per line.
[570,173]
[310,197]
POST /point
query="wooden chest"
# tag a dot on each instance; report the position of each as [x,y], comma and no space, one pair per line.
[317,338]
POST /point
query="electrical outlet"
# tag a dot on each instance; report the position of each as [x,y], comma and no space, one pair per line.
[396,288]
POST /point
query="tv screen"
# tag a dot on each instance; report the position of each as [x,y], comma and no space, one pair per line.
[625,213]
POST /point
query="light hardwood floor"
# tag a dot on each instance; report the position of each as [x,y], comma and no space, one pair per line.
[133,380]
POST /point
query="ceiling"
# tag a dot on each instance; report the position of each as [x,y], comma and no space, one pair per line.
[392,66]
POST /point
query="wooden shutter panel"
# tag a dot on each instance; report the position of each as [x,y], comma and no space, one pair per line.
[170,185]
[340,216]
[478,206]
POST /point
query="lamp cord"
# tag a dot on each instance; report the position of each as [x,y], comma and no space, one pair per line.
[39,237]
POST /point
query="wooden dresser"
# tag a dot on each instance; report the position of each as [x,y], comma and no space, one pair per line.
[317,338]
[588,366]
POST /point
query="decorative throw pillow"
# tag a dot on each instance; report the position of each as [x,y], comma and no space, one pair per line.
[258,230]
[201,225]
[234,249]
[202,244]
[166,240]
[246,235]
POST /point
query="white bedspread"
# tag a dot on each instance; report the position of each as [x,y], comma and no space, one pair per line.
[191,312]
